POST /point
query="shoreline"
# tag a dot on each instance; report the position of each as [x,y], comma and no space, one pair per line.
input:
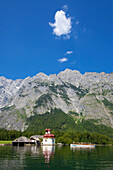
[5,144]
[10,144]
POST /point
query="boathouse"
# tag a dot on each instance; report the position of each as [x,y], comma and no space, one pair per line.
[48,138]
[21,141]
[35,139]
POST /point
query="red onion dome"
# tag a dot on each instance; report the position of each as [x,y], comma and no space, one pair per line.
[46,130]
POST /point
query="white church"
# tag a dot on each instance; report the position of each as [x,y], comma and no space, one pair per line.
[48,138]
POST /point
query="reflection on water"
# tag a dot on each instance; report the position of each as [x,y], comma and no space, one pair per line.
[53,157]
[48,151]
[35,152]
[78,148]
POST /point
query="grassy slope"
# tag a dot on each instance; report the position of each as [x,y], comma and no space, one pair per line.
[102,129]
[58,120]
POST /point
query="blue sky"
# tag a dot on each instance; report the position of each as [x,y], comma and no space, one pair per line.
[52,35]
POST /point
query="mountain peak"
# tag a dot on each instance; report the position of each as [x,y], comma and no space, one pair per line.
[91,94]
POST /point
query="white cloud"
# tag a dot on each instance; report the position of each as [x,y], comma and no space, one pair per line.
[61,60]
[66,37]
[65,7]
[62,25]
[69,52]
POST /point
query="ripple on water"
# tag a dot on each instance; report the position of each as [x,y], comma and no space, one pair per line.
[55,158]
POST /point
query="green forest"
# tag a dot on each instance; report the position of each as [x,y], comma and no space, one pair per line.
[60,137]
[57,120]
[64,127]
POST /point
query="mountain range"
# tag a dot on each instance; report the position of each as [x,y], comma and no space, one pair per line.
[80,97]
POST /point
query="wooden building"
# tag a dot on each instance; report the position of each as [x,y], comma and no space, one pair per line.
[35,139]
[21,141]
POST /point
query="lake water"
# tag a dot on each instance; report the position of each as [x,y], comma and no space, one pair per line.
[32,157]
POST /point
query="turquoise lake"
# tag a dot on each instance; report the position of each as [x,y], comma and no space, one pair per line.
[32,157]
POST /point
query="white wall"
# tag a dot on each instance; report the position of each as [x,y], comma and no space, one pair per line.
[48,141]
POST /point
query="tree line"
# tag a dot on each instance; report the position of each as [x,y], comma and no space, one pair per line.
[60,137]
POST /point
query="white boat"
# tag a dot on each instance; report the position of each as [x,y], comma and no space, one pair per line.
[59,144]
[82,145]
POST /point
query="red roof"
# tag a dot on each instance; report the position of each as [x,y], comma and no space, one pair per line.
[49,136]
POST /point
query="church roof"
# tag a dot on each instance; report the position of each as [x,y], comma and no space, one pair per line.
[49,136]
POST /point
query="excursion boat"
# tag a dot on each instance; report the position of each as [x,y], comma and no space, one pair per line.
[82,145]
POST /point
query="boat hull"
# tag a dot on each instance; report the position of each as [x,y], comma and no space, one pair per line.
[82,145]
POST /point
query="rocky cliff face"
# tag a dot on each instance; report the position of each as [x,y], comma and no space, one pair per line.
[89,95]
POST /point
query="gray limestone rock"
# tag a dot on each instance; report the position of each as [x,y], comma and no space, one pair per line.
[90,93]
